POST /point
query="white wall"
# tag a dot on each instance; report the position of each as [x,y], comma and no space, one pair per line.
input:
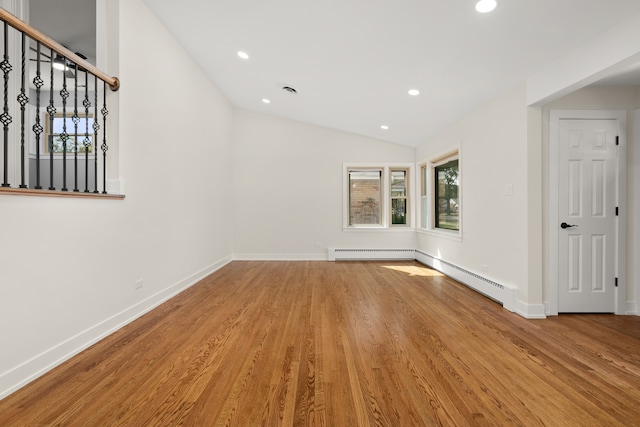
[68,266]
[495,227]
[604,98]
[609,53]
[288,185]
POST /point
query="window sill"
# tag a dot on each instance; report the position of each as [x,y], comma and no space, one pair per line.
[56,193]
[378,229]
[59,156]
[450,235]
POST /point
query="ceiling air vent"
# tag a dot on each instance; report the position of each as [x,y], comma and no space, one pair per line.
[290,90]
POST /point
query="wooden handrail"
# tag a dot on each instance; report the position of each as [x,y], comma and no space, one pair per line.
[67,194]
[113,82]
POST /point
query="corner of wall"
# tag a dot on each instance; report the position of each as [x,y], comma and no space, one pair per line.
[634,212]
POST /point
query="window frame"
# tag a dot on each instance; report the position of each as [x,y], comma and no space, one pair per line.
[427,206]
[381,203]
[407,198]
[436,192]
[424,196]
[386,221]
[44,140]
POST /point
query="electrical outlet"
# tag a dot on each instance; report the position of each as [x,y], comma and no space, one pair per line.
[138,284]
[317,244]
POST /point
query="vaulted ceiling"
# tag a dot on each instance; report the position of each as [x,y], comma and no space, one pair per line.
[352,62]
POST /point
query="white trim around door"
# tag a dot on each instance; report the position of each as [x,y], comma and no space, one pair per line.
[620,199]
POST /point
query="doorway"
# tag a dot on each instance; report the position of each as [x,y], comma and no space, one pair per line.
[587,190]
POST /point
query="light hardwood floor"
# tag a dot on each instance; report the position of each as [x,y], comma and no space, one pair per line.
[342,344]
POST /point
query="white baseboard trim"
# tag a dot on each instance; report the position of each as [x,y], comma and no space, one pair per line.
[28,371]
[280,257]
[334,254]
[531,311]
[632,309]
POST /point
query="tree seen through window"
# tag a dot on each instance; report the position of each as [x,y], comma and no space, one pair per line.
[446,196]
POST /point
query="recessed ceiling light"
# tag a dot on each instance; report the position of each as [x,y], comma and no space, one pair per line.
[243,55]
[484,6]
[384,127]
[266,101]
[414,92]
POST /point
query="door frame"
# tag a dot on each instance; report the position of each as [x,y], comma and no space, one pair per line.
[620,256]
[633,307]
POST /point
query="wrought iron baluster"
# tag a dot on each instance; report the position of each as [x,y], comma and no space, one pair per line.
[52,134]
[64,136]
[104,146]
[96,129]
[37,128]
[87,141]
[22,100]
[76,120]
[5,118]
[51,109]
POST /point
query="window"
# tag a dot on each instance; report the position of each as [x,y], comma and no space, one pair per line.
[440,209]
[424,201]
[365,191]
[446,212]
[399,212]
[85,132]
[377,196]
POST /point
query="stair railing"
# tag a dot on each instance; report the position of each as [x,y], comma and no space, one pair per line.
[68,124]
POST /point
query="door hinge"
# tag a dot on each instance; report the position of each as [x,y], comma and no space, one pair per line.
[616,282]
[617,140]
[616,211]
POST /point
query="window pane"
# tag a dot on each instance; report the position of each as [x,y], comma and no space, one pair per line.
[424,209]
[53,140]
[364,197]
[446,192]
[57,144]
[398,197]
[424,206]
[398,211]
[398,183]
[59,123]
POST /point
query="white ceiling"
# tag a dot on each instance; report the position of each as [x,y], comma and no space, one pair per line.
[353,61]
[71,23]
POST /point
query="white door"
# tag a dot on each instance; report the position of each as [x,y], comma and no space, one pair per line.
[587,227]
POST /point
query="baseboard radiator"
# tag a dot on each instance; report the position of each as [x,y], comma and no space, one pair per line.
[370,254]
[504,294]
